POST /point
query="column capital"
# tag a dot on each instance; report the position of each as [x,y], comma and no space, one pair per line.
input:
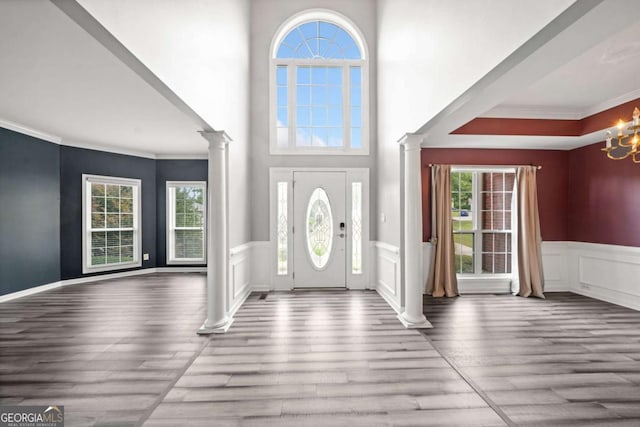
[216,138]
[411,141]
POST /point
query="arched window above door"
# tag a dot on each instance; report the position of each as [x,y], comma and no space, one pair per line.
[319,86]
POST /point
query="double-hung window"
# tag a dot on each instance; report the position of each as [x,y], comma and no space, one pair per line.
[481,207]
[111,223]
[186,222]
[319,101]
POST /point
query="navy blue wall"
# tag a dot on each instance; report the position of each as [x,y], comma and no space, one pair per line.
[29,212]
[172,170]
[77,161]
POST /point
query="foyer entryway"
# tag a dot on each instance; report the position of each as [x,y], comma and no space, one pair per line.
[319,220]
[320,229]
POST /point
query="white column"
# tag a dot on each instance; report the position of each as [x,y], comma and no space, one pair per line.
[412,316]
[218,320]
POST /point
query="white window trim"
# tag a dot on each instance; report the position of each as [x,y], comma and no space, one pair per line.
[170,225]
[477,233]
[86,222]
[356,34]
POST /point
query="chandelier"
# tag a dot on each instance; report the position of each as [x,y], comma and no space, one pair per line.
[626,144]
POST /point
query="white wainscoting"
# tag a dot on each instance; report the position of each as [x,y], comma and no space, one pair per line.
[239,283]
[555,263]
[385,273]
[261,267]
[605,272]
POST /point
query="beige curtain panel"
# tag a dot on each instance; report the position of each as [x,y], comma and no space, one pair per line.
[530,275]
[442,278]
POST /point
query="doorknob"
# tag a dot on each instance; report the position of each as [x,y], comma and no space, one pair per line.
[341,235]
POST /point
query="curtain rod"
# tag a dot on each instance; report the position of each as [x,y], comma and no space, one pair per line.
[539,167]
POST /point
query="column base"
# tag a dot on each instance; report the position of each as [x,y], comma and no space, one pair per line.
[420,324]
[221,328]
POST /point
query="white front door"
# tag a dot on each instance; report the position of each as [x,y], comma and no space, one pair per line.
[319,238]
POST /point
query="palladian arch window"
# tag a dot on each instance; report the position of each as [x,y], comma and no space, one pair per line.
[319,97]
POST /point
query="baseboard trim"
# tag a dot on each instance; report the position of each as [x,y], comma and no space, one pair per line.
[92,279]
[388,299]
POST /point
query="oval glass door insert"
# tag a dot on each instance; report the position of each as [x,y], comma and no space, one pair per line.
[319,228]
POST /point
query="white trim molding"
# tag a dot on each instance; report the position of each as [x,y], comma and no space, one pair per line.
[606,272]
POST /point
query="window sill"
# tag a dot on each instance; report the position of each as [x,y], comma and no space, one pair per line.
[489,284]
[110,267]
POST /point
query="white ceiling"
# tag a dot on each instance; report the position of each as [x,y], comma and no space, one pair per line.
[57,79]
[602,77]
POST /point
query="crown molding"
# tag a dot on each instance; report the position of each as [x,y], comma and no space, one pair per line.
[611,103]
[182,156]
[533,112]
[44,136]
[30,131]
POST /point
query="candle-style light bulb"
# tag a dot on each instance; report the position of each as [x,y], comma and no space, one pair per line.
[620,126]
[636,117]
[608,139]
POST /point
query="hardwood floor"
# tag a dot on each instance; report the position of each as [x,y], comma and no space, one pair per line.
[566,360]
[321,358]
[108,350]
[124,352]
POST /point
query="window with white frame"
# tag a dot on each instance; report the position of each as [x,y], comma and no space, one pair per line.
[481,206]
[319,101]
[186,222]
[111,223]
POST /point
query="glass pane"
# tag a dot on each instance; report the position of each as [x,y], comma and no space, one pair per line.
[126,220]
[282,229]
[356,138]
[356,225]
[319,230]
[318,39]
[98,239]
[356,96]
[464,249]
[355,74]
[189,244]
[98,256]
[113,205]
[318,117]
[98,204]
[113,255]
[304,75]
[126,254]
[113,191]
[126,205]
[113,238]
[319,95]
[126,237]
[113,221]
[97,220]
[496,253]
[126,191]
[97,190]
[282,96]
[283,117]
[335,95]
[335,136]
[281,76]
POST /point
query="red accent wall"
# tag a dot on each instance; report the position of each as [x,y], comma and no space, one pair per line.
[552,182]
[604,198]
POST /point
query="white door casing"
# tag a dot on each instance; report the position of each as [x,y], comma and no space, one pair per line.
[282,247]
[319,233]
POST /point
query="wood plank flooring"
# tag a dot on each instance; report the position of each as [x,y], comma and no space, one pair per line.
[321,358]
[124,352]
[108,350]
[566,360]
